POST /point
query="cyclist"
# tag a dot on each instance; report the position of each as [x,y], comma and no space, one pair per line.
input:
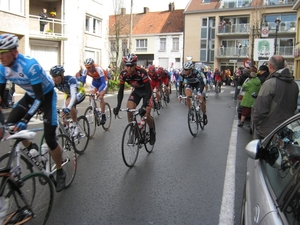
[176,78]
[165,79]
[29,75]
[194,80]
[141,89]
[74,91]
[218,79]
[155,82]
[99,83]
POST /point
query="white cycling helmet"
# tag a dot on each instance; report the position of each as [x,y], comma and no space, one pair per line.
[188,65]
[8,41]
[89,62]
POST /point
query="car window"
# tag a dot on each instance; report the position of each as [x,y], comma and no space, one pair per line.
[281,166]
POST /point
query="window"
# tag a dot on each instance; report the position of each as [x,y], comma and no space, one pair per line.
[113,45]
[204,22]
[163,43]
[141,45]
[204,32]
[205,1]
[93,25]
[175,44]
[12,6]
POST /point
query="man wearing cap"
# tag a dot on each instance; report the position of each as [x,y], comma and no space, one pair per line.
[263,73]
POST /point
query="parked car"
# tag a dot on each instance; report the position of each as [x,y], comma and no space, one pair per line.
[272,187]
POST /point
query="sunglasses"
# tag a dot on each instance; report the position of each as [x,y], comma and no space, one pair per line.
[186,69]
[4,51]
[151,71]
[129,65]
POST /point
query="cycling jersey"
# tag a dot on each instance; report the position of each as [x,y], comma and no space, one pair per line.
[140,82]
[26,72]
[193,79]
[71,87]
[99,80]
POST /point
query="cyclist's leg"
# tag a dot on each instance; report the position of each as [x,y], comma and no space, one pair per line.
[102,105]
[188,92]
[132,102]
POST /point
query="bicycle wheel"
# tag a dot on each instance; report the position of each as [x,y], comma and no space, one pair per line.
[200,119]
[164,99]
[130,145]
[91,117]
[107,110]
[216,91]
[29,200]
[69,156]
[25,164]
[81,140]
[147,144]
[192,122]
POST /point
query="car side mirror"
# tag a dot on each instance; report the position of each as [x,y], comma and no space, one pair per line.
[254,149]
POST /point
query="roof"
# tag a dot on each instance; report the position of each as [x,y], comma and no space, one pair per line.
[148,23]
[196,5]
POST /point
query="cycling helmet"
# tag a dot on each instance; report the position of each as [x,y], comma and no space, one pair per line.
[130,59]
[8,41]
[188,65]
[57,70]
[151,69]
[89,62]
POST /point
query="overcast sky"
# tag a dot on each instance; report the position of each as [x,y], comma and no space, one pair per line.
[153,5]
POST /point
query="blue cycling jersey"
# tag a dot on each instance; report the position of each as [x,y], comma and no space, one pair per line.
[66,85]
[26,72]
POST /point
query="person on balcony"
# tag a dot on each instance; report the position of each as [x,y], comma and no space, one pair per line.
[43,17]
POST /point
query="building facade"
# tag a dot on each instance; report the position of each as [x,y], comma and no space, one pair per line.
[223,34]
[72,32]
[155,37]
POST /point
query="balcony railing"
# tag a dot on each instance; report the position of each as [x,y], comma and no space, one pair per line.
[284,26]
[55,28]
[227,52]
[235,28]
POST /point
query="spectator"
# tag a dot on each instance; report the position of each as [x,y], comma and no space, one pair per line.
[251,86]
[263,73]
[43,17]
[276,100]
[222,49]
[239,48]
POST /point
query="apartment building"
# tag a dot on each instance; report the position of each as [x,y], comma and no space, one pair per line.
[157,37]
[72,32]
[223,33]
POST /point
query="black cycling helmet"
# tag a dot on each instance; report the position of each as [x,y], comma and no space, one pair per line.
[130,59]
[8,41]
[57,70]
[89,62]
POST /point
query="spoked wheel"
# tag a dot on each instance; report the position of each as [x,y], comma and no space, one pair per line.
[193,122]
[164,99]
[200,119]
[108,114]
[32,203]
[147,144]
[69,157]
[81,140]
[91,117]
[130,145]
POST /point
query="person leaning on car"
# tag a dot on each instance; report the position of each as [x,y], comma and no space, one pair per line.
[277,98]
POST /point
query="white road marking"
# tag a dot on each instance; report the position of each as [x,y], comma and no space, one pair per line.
[226,216]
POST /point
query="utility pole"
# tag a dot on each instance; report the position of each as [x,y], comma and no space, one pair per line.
[130,34]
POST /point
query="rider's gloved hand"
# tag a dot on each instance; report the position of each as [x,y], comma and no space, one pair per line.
[22,125]
[116,111]
[142,111]
[66,111]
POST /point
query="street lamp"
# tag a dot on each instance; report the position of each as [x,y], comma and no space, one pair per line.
[277,21]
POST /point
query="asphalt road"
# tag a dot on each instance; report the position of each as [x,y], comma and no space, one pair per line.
[180,182]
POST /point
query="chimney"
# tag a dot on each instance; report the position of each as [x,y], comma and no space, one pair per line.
[146,10]
[123,11]
[171,6]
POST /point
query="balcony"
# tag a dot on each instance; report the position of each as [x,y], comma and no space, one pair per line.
[278,2]
[226,4]
[54,29]
[284,26]
[229,52]
[234,29]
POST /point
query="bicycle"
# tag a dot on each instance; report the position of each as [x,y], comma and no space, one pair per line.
[136,135]
[155,104]
[80,138]
[217,89]
[94,115]
[26,199]
[163,96]
[195,114]
[41,159]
